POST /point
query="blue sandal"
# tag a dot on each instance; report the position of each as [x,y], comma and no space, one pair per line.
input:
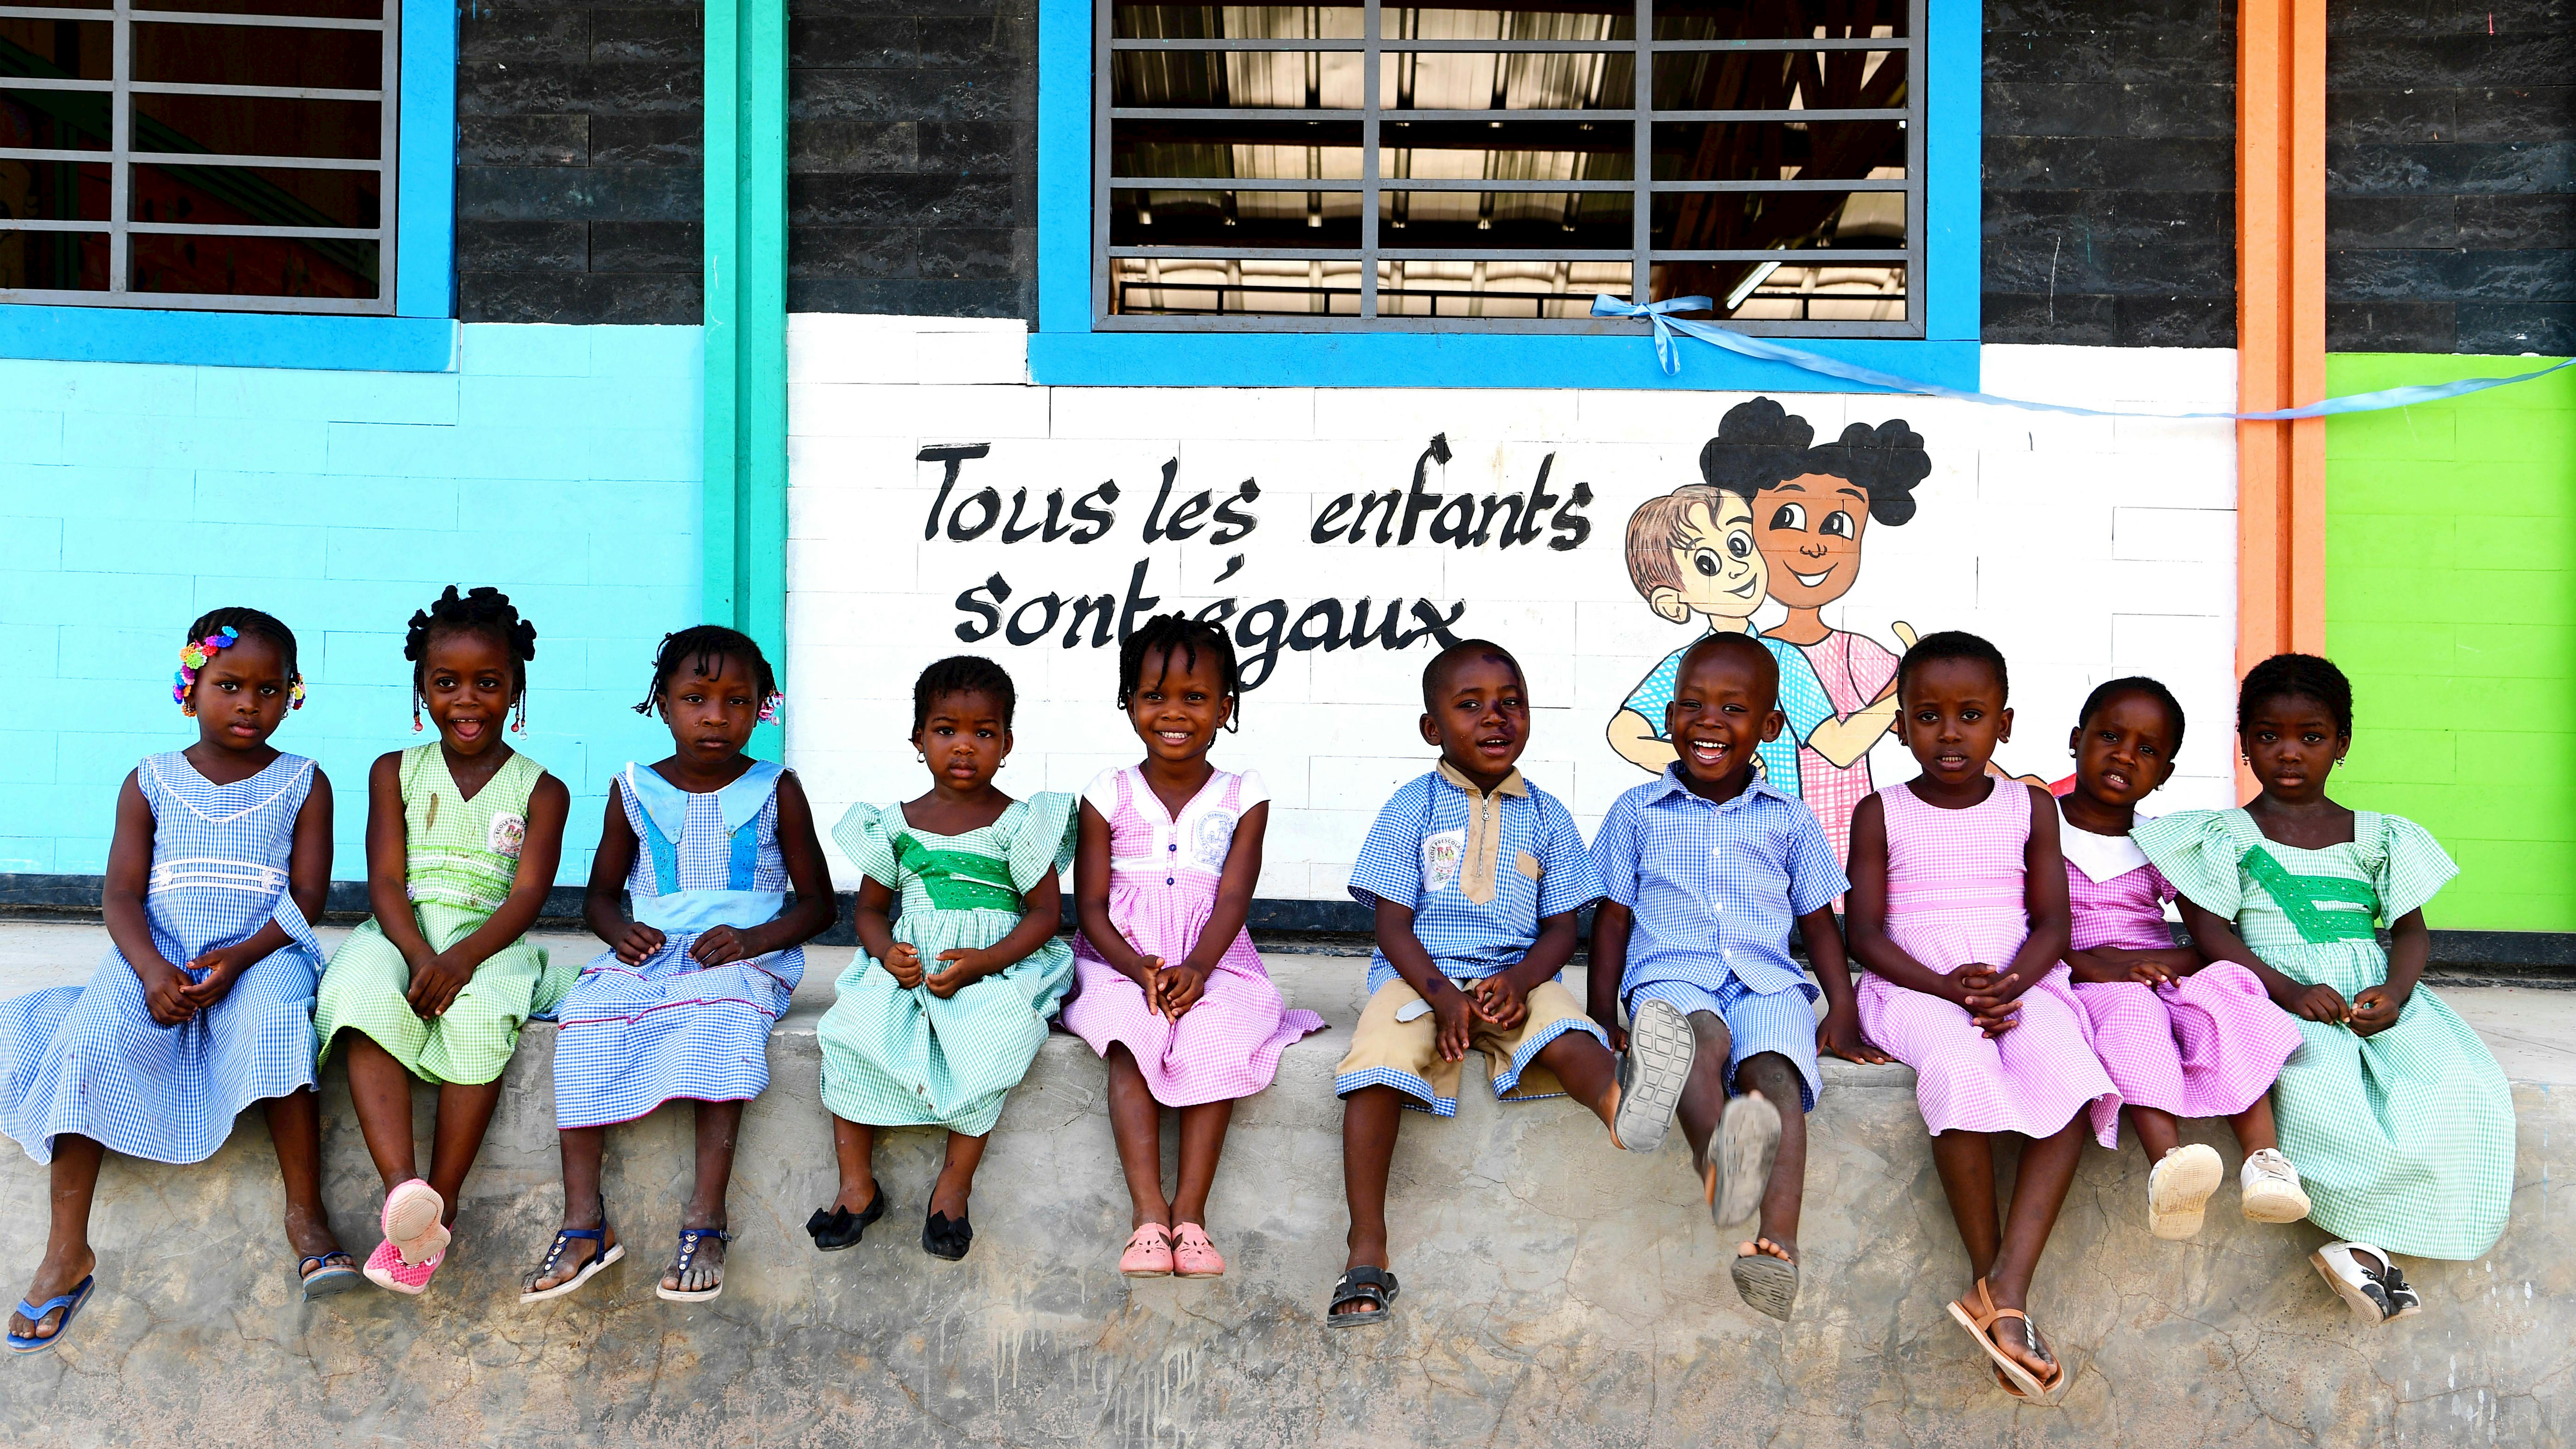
[70,1303]
[690,1239]
[320,1278]
[602,1254]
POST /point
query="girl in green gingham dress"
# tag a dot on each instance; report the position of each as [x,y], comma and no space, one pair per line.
[440,993]
[943,1008]
[2398,1116]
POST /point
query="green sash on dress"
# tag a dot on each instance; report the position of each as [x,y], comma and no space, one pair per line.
[2306,900]
[958,880]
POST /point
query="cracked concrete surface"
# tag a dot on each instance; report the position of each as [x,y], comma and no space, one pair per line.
[1556,1292]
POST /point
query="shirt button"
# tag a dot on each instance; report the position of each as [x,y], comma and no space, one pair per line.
[1174,846]
[1167,880]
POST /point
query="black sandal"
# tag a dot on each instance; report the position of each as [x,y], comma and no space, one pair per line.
[837,1229]
[945,1237]
[1369,1285]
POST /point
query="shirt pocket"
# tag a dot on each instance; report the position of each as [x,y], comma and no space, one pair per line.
[1529,866]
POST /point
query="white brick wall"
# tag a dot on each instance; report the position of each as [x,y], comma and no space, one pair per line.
[2086,548]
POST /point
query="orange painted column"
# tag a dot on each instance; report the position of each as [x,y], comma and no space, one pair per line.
[2280,328]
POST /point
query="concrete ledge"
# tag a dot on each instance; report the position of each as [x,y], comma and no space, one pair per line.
[2536,957]
[1556,1291]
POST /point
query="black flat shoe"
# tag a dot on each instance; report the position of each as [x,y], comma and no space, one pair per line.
[837,1228]
[946,1237]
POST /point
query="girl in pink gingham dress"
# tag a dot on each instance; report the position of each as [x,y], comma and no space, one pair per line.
[1170,991]
[1958,910]
[2180,1036]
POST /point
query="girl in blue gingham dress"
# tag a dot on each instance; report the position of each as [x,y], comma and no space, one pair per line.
[708,843]
[205,1003]
[666,1028]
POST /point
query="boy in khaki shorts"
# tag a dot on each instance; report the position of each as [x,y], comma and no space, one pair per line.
[1475,876]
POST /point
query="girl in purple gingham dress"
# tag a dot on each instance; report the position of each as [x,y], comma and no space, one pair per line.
[1958,909]
[2180,1036]
[1171,993]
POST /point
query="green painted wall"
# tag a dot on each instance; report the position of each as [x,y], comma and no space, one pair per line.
[2451,601]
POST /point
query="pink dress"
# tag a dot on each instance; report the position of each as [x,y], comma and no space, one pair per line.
[1853,668]
[1954,895]
[2210,1044]
[1163,876]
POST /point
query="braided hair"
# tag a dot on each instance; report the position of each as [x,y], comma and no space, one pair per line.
[963,674]
[2136,684]
[485,611]
[2297,676]
[249,621]
[700,647]
[1180,638]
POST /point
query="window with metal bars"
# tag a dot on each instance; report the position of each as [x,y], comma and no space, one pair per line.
[1495,163]
[222,154]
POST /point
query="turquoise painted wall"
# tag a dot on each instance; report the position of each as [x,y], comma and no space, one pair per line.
[558,463]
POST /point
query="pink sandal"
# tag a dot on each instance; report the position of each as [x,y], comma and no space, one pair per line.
[1193,1256]
[415,1240]
[1149,1253]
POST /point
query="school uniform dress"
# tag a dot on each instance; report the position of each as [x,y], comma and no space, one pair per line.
[1479,871]
[1715,888]
[901,1057]
[1956,894]
[2209,1044]
[667,1028]
[2404,1139]
[1163,876]
[460,858]
[90,1060]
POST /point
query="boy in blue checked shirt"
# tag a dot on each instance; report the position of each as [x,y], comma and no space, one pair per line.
[1475,876]
[1705,869]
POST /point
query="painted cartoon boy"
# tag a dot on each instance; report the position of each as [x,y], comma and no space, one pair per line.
[1692,553]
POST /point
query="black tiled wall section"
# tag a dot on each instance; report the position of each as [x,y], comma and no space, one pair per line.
[2110,169]
[580,133]
[912,157]
[2450,176]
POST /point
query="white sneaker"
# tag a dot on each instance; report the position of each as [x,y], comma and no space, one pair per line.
[2179,1189]
[2357,1273]
[2271,1188]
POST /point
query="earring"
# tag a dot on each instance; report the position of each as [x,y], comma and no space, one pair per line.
[188,711]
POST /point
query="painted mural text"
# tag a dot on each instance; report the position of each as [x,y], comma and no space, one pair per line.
[962,512]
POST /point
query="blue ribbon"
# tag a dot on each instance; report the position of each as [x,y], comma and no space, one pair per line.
[1763,349]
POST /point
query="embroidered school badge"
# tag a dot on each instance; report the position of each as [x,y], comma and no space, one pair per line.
[508,833]
[1214,837]
[1442,855]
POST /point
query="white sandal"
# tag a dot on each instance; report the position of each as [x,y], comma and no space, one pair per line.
[2362,1289]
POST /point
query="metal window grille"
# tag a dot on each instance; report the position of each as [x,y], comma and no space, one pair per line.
[233,155]
[1494,163]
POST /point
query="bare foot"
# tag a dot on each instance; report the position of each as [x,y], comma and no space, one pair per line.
[706,1266]
[948,1195]
[1785,1249]
[577,1253]
[309,1233]
[53,1277]
[855,1200]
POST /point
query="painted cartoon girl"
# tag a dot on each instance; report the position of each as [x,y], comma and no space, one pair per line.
[1693,552]
[1811,505]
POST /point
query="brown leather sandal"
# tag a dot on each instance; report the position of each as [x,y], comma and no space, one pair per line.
[2019,1380]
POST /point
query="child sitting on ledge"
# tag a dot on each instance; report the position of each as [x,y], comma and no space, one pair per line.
[1475,876]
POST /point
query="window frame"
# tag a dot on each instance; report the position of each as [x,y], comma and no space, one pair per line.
[1642,188]
[416,332]
[1067,348]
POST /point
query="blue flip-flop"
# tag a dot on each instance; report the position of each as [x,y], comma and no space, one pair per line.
[70,1303]
[320,1278]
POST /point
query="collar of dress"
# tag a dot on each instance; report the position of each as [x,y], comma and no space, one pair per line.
[1480,874]
[2102,858]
